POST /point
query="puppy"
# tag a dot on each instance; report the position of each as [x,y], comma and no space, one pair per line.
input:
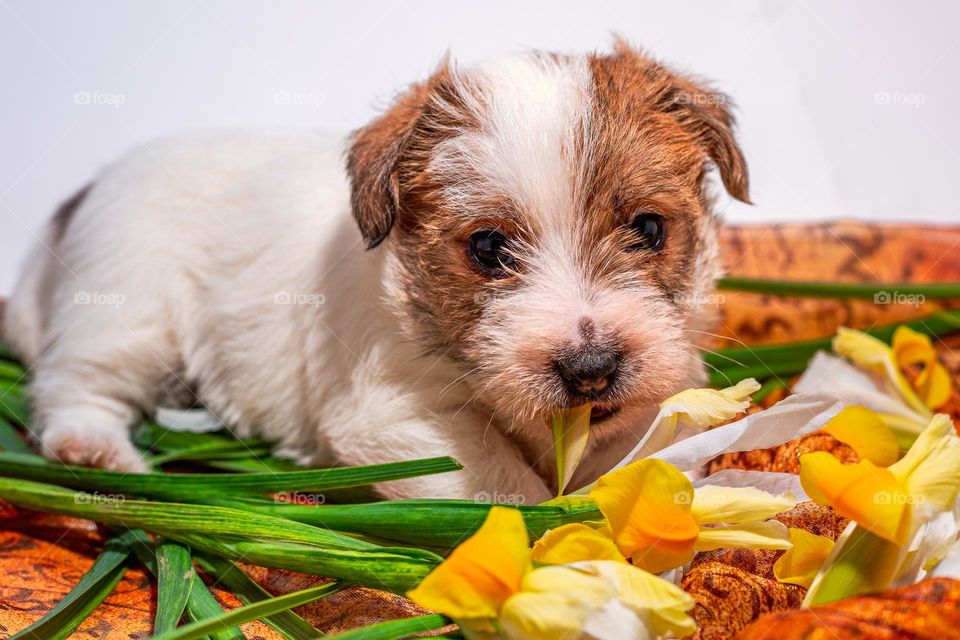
[535,233]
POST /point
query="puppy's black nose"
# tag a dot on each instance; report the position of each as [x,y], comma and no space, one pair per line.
[588,372]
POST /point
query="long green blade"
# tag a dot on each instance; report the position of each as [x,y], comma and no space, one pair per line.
[11,440]
[184,486]
[201,604]
[792,358]
[92,589]
[440,524]
[871,291]
[13,403]
[395,629]
[174,581]
[11,371]
[287,623]
[255,611]
[266,540]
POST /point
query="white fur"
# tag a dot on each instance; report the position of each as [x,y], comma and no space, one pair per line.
[229,263]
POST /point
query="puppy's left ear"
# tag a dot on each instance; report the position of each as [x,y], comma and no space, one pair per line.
[702,112]
[372,159]
[707,114]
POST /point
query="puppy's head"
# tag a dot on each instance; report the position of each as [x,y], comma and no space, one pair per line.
[549,223]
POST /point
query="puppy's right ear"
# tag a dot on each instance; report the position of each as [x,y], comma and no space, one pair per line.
[373,157]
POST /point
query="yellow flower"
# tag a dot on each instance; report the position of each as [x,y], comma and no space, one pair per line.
[481,573]
[489,586]
[575,542]
[866,433]
[913,348]
[888,505]
[658,522]
[801,563]
[890,502]
[909,348]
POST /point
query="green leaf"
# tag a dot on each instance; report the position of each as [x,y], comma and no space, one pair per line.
[252,465]
[729,366]
[188,486]
[10,439]
[570,430]
[839,289]
[861,562]
[201,604]
[6,353]
[11,372]
[246,613]
[92,589]
[287,623]
[441,524]
[13,403]
[150,435]
[768,387]
[265,540]
[395,629]
[174,581]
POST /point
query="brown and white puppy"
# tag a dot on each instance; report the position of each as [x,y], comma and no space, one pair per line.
[539,235]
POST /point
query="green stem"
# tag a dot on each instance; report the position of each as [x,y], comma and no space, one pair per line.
[731,365]
[185,486]
[201,604]
[174,581]
[440,524]
[861,563]
[287,623]
[872,291]
[393,629]
[768,387]
[247,613]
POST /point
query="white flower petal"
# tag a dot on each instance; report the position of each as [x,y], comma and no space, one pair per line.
[769,481]
[791,418]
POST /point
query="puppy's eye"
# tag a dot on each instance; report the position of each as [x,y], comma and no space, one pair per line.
[650,230]
[489,250]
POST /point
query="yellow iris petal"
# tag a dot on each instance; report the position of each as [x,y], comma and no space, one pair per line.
[647,505]
[866,433]
[552,604]
[719,505]
[801,563]
[709,407]
[870,495]
[931,468]
[874,355]
[575,543]
[770,534]
[571,430]
[480,574]
[933,384]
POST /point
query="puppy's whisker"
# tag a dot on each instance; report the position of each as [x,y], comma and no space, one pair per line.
[455,381]
[718,336]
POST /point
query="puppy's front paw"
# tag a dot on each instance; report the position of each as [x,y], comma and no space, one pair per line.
[92,447]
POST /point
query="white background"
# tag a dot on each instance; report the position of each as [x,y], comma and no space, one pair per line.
[846,109]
